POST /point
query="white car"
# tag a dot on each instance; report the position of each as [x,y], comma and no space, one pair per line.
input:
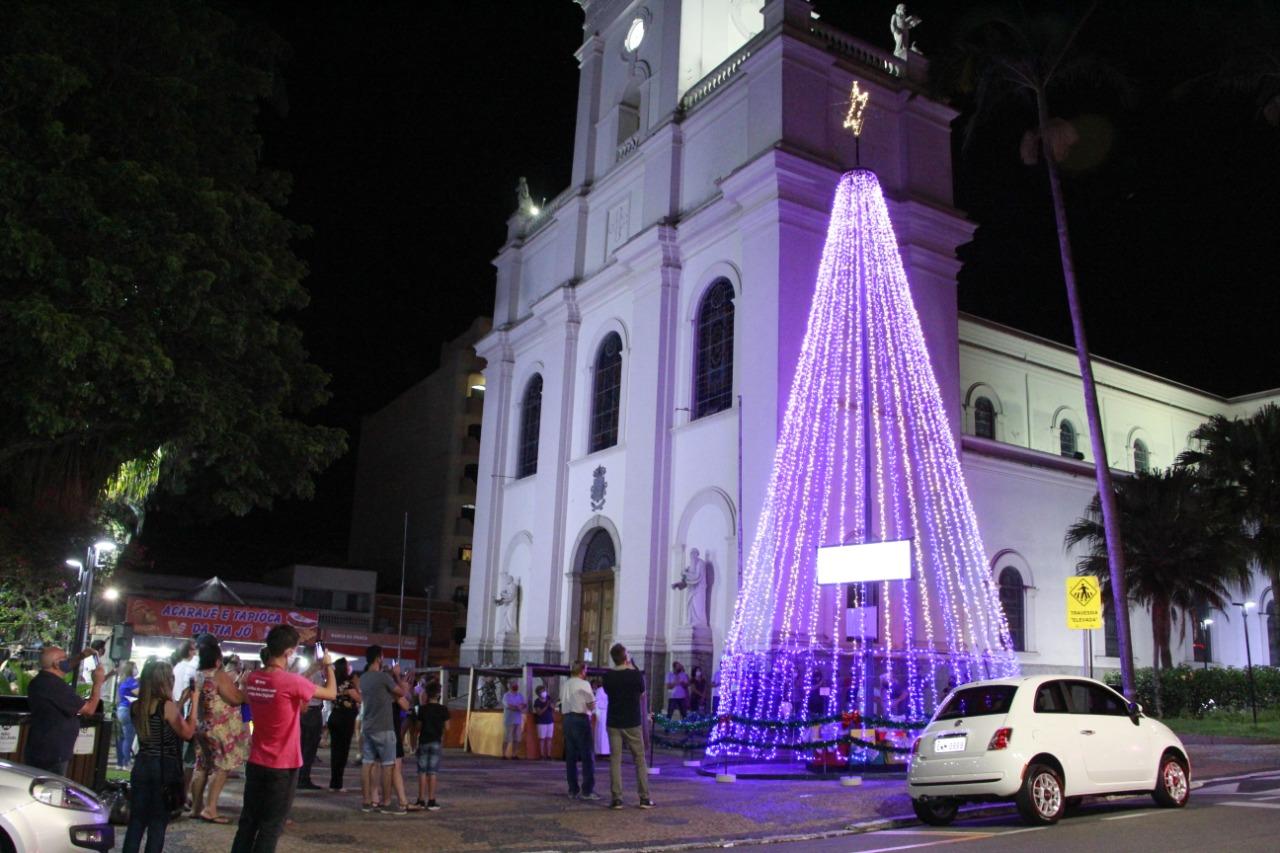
[1043,742]
[44,813]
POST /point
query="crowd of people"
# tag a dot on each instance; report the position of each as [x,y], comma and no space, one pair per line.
[189,723]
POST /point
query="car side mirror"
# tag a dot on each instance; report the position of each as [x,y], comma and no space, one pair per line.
[1135,711]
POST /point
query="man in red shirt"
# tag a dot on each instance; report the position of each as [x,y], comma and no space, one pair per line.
[276,697]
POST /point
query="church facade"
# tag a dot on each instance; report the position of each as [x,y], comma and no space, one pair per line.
[648,321]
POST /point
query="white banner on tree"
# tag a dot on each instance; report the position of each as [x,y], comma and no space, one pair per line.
[865,562]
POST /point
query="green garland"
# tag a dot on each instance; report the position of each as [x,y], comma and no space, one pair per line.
[676,744]
[702,724]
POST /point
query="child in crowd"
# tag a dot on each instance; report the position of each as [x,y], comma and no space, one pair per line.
[544,718]
[433,720]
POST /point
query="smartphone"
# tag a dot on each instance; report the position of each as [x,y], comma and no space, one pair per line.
[319,652]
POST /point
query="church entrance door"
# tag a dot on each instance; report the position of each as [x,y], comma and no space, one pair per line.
[597,561]
[595,617]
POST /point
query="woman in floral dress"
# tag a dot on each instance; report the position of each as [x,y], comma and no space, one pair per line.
[222,739]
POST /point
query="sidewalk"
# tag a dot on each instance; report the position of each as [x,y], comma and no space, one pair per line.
[490,804]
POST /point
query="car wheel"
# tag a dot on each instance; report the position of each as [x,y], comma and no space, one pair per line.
[936,811]
[1173,788]
[1040,800]
[6,843]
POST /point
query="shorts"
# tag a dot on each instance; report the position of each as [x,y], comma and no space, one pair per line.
[429,757]
[546,730]
[379,747]
[189,754]
[513,733]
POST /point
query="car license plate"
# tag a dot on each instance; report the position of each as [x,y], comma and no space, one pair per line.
[955,743]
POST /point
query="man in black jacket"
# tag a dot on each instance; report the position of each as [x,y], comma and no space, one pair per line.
[624,685]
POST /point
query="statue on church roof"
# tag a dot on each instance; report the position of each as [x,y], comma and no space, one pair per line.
[525,205]
[901,25]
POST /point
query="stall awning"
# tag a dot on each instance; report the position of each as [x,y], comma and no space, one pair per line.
[157,617]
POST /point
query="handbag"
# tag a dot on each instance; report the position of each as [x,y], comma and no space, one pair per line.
[116,800]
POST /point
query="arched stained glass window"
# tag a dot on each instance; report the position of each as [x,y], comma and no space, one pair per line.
[1110,630]
[1273,631]
[606,394]
[1067,439]
[1141,457]
[530,422]
[984,418]
[713,369]
[1201,635]
[1013,600]
[598,555]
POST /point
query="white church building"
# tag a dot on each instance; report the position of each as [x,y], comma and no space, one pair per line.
[648,321]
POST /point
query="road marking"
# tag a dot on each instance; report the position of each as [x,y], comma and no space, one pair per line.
[929,831]
[1127,816]
[963,837]
[1272,797]
[938,843]
[1252,805]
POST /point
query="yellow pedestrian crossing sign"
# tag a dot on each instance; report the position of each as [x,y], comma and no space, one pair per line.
[1084,603]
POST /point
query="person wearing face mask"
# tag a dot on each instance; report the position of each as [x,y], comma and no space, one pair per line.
[544,717]
[56,710]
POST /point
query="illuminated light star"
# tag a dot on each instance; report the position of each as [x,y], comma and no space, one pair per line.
[854,119]
[865,454]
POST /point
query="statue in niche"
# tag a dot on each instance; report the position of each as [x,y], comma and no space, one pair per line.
[693,580]
[901,25]
[508,602]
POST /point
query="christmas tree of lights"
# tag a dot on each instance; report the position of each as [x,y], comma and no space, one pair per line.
[865,454]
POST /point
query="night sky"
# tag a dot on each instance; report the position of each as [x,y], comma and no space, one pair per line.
[408,125]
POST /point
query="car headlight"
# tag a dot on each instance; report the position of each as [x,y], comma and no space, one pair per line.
[60,794]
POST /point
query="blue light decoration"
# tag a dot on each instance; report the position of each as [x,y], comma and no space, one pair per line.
[865,454]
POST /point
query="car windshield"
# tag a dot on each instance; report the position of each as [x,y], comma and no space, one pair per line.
[978,702]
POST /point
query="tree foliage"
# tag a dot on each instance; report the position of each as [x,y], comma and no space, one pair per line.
[1183,550]
[1242,457]
[147,278]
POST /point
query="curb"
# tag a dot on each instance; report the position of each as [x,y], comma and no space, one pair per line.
[859,828]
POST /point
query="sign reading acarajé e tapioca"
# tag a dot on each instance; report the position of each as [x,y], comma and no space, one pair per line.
[155,617]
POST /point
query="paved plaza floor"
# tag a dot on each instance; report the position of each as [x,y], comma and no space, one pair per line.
[491,804]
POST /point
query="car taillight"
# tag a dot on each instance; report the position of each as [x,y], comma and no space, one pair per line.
[1000,740]
[915,746]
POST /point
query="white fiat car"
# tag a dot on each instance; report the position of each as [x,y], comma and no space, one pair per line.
[1043,742]
[40,812]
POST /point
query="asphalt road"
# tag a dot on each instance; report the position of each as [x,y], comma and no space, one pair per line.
[1236,815]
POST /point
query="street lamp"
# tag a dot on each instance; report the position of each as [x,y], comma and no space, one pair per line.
[1245,607]
[93,559]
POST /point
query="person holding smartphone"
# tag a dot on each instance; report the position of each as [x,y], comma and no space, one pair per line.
[625,687]
[277,697]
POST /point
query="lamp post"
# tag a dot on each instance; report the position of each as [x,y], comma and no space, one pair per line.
[1245,607]
[1204,629]
[87,569]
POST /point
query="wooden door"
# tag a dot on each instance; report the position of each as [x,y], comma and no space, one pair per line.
[595,617]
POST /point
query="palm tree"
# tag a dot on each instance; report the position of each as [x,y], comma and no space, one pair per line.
[1183,550]
[1026,62]
[1242,457]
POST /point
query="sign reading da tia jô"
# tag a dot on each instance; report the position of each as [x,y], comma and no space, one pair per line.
[154,617]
